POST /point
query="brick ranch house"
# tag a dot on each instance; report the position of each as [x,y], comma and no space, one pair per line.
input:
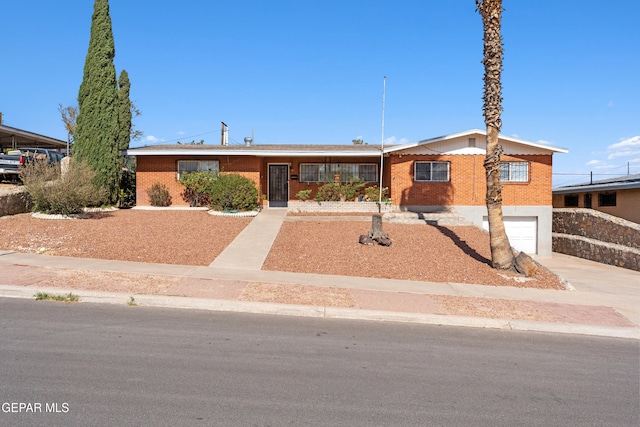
[443,173]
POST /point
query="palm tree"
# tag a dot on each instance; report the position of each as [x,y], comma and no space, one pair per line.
[491,11]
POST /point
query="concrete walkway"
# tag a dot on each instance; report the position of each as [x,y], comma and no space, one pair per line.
[251,247]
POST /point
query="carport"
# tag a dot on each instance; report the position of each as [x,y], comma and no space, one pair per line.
[14,138]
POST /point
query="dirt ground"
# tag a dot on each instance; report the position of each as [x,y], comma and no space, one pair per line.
[188,237]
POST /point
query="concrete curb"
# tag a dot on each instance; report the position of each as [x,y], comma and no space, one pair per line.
[164,301]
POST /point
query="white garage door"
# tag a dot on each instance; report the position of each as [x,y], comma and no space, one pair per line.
[522,232]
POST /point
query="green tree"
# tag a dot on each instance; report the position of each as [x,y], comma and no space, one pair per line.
[491,11]
[97,131]
[124,111]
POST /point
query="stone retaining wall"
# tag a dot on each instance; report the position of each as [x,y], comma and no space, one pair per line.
[596,236]
[14,201]
[365,207]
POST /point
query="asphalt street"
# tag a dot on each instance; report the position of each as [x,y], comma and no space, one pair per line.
[94,364]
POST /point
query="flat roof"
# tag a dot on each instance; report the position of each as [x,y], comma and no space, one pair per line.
[11,137]
[619,183]
[269,150]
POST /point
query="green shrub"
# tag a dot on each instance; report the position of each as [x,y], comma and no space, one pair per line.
[335,191]
[127,195]
[352,189]
[197,186]
[159,195]
[372,194]
[233,192]
[303,195]
[64,194]
[329,192]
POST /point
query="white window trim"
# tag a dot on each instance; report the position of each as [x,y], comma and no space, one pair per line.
[178,173]
[415,167]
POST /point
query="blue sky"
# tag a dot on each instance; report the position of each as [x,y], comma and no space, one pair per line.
[311,72]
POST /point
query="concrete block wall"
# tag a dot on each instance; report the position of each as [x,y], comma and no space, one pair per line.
[596,236]
[346,207]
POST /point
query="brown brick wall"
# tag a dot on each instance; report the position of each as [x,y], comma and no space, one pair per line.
[467,186]
[164,170]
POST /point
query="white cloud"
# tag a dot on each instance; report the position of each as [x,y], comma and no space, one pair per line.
[629,147]
[152,139]
[593,162]
[181,133]
[394,140]
[634,141]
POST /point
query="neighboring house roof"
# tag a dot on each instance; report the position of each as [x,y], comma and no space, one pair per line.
[23,138]
[274,150]
[620,183]
[456,143]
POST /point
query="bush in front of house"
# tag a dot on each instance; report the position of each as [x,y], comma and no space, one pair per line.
[197,186]
[231,191]
[61,194]
[159,195]
[336,191]
[372,194]
[303,195]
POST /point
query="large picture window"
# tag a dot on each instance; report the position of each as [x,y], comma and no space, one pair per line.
[324,172]
[186,166]
[514,171]
[431,171]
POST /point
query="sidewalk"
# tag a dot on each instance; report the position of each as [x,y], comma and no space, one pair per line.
[594,310]
[604,300]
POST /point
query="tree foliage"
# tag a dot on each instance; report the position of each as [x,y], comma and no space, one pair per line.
[124,111]
[96,137]
[69,117]
[104,121]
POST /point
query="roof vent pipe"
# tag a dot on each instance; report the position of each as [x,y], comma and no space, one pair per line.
[248,141]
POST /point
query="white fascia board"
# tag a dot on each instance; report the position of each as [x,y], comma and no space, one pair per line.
[254,153]
[474,132]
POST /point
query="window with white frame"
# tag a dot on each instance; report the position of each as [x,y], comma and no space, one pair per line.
[187,166]
[514,171]
[324,172]
[431,171]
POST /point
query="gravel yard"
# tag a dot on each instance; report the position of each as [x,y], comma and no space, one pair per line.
[418,252]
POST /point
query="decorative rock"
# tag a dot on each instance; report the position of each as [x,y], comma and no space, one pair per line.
[384,241]
[366,240]
[526,265]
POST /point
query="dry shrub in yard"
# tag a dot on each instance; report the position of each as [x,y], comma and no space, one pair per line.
[159,195]
[55,193]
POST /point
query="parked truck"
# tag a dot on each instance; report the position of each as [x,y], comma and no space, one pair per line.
[12,163]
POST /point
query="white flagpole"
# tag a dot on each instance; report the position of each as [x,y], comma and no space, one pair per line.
[384,93]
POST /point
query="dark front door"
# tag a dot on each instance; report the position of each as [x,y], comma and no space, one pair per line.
[278,185]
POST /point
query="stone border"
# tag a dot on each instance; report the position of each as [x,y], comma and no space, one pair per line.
[41,215]
[247,214]
[170,208]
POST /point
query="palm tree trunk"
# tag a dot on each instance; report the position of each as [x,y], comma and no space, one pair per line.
[491,11]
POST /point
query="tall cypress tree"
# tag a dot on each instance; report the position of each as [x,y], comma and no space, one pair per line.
[124,111]
[96,138]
